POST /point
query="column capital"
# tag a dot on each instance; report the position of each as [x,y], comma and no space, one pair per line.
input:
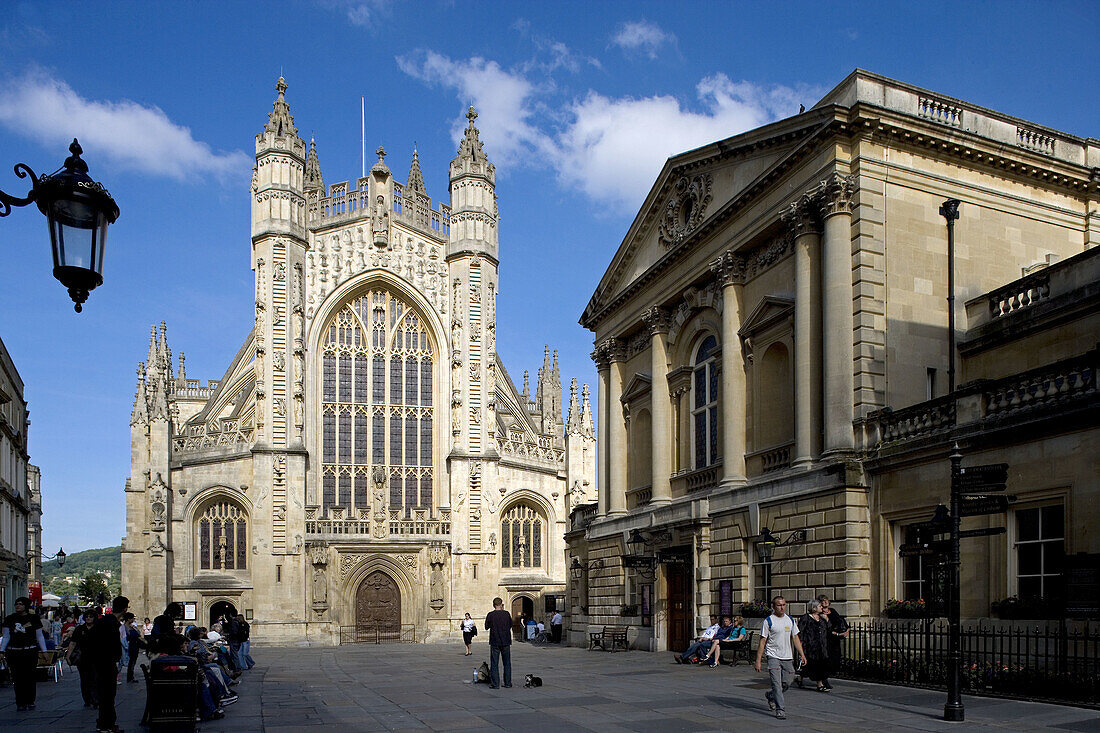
[836,195]
[802,216]
[657,319]
[729,269]
[608,351]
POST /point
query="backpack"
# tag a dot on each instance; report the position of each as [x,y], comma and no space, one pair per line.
[483,672]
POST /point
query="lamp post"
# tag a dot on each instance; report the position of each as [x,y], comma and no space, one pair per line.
[949,210]
[78,211]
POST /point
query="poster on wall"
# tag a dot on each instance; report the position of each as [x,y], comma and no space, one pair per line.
[190,611]
[647,605]
[725,598]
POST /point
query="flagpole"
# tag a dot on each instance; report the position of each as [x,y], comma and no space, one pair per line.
[363,131]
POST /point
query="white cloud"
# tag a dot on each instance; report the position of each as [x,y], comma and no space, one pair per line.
[127,133]
[362,13]
[641,36]
[611,148]
[504,101]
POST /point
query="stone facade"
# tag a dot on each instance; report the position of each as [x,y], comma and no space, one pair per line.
[19,509]
[366,467]
[775,294]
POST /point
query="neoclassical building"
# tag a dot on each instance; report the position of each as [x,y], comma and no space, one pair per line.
[779,297]
[366,466]
[20,503]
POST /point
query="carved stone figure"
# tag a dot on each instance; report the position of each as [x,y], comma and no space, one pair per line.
[320,587]
[380,223]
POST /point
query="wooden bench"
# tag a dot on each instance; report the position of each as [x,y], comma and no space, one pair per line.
[609,638]
[733,651]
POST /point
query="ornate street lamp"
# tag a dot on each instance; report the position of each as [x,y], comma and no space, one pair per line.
[577,570]
[766,542]
[78,211]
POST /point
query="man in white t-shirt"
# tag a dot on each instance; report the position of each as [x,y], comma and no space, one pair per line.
[555,627]
[778,635]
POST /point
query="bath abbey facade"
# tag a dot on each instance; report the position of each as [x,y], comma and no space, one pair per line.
[366,468]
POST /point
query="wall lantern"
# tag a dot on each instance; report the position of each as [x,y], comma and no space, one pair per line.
[78,211]
[577,569]
[767,542]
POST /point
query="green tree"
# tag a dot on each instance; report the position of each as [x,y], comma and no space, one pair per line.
[92,587]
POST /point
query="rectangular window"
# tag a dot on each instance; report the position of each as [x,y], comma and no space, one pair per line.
[378,380]
[700,388]
[217,545]
[395,440]
[344,437]
[242,545]
[329,379]
[762,582]
[1040,553]
[410,381]
[361,439]
[395,491]
[425,441]
[506,544]
[345,490]
[278,573]
[230,546]
[328,439]
[930,380]
[426,381]
[395,381]
[345,378]
[700,439]
[362,380]
[410,441]
[328,491]
[204,545]
[923,576]
[378,440]
[362,492]
[410,492]
[426,491]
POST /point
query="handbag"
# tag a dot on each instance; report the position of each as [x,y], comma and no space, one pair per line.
[473,632]
[74,656]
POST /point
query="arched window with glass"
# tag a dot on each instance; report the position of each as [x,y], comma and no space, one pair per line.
[704,403]
[222,542]
[521,537]
[377,370]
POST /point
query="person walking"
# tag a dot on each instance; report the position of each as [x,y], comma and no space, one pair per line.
[104,646]
[469,631]
[555,627]
[79,656]
[246,646]
[22,640]
[778,640]
[133,645]
[499,625]
[838,629]
[231,629]
[814,634]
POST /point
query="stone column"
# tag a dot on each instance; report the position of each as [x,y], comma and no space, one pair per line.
[837,321]
[802,218]
[603,364]
[657,319]
[617,450]
[730,272]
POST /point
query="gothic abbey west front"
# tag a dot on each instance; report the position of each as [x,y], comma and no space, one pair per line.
[365,466]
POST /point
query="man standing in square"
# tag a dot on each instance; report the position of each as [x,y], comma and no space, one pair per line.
[499,625]
[104,647]
[778,635]
[555,627]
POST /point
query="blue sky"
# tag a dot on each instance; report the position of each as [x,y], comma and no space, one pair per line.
[580,105]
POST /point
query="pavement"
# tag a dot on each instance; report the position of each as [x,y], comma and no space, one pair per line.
[398,687]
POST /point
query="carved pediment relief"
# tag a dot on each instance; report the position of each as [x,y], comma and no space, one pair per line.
[639,387]
[771,311]
[685,208]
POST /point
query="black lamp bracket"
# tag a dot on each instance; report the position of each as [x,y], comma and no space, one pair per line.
[7,200]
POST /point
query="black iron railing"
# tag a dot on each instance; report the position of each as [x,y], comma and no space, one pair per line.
[378,634]
[1056,663]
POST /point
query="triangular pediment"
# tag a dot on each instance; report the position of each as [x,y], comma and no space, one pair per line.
[694,192]
[771,309]
[639,385]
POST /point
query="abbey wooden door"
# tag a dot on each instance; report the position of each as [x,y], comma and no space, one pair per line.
[378,608]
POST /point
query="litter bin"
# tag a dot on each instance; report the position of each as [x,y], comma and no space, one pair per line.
[172,690]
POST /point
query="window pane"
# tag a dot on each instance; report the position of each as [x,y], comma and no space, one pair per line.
[1031,588]
[204,544]
[712,387]
[362,492]
[713,436]
[230,546]
[345,378]
[536,544]
[361,439]
[700,387]
[378,378]
[1054,558]
[345,490]
[328,439]
[328,491]
[362,380]
[395,440]
[378,440]
[426,492]
[410,441]
[242,545]
[395,381]
[426,381]
[216,543]
[505,544]
[395,491]
[344,437]
[1052,522]
[410,381]
[410,491]
[425,441]
[700,440]
[329,378]
[1027,524]
[706,349]
[1029,558]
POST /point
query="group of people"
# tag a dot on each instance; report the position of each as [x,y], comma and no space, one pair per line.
[816,639]
[103,645]
[707,647]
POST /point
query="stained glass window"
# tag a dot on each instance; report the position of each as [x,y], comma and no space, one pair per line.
[223,537]
[376,398]
[521,533]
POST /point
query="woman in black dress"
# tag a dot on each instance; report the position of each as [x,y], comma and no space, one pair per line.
[813,632]
[838,629]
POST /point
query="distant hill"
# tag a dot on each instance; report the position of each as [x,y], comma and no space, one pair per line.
[79,564]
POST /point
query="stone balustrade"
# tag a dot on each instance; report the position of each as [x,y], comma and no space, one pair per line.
[193,388]
[225,433]
[542,451]
[582,516]
[639,497]
[1056,384]
[767,460]
[923,419]
[696,479]
[419,523]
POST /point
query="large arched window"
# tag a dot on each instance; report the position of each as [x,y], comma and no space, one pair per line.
[704,403]
[222,537]
[376,404]
[521,537]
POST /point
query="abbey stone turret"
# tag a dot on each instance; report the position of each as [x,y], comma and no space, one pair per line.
[366,468]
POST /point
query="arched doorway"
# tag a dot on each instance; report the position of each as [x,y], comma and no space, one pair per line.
[523,608]
[220,608]
[378,608]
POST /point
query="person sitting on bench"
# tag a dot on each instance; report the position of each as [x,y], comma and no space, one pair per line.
[703,642]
